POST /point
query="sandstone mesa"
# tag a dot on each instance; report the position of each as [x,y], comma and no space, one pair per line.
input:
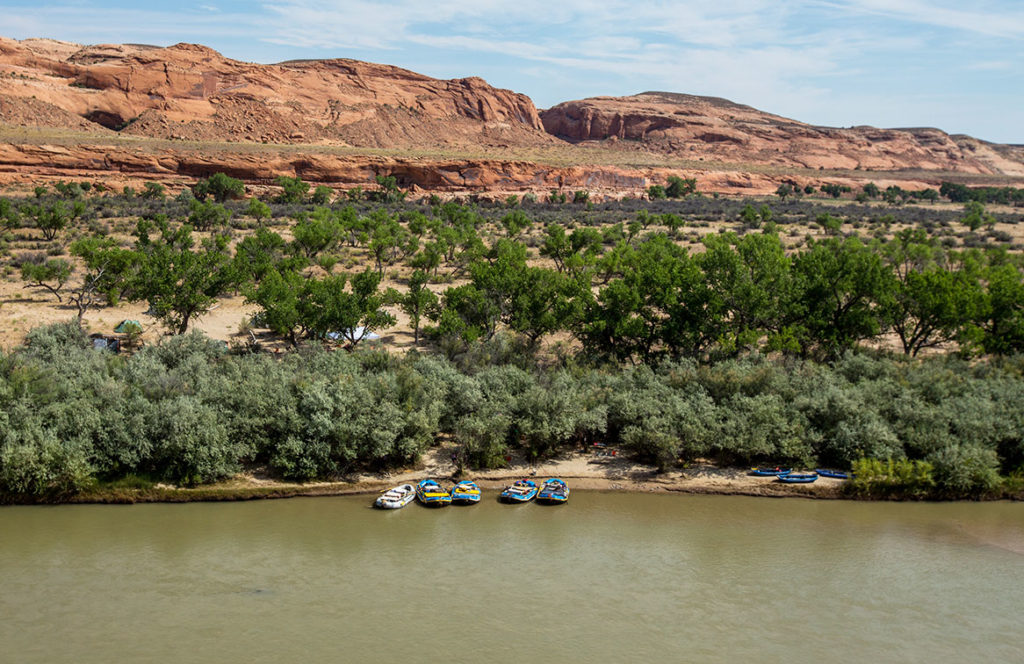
[188,94]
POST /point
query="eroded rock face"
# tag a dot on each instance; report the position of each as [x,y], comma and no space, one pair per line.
[192,92]
[706,127]
[199,100]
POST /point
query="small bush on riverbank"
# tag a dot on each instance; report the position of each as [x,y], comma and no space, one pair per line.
[899,478]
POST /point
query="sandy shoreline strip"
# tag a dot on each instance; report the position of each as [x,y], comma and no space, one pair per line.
[581,471]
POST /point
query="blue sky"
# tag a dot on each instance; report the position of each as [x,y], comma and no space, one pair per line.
[956,65]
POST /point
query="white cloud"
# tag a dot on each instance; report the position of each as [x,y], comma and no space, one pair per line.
[990,65]
[87,25]
[987,18]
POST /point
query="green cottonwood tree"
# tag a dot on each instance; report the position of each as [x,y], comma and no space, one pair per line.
[680,187]
[258,210]
[51,274]
[52,219]
[656,306]
[931,301]
[220,186]
[181,282]
[108,271]
[838,284]
[327,306]
[751,289]
[279,295]
[293,190]
[1001,319]
[415,302]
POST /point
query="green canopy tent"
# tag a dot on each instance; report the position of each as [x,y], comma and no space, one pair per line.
[127,326]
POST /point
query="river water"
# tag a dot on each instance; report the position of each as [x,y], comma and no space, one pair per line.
[606,578]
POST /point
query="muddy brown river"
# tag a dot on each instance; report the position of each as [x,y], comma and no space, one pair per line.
[606,578]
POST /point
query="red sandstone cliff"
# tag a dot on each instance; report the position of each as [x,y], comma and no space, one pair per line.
[693,127]
[191,92]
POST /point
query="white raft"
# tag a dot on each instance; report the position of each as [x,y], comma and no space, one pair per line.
[400,496]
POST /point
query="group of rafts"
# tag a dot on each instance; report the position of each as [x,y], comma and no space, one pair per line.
[431,493]
[787,476]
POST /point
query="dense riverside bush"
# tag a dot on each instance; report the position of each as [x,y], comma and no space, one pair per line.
[186,411]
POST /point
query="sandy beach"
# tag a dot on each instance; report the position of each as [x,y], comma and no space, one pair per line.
[618,473]
[587,471]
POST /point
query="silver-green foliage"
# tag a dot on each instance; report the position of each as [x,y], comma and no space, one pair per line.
[186,411]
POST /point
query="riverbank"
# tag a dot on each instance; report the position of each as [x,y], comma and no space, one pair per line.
[586,471]
[582,471]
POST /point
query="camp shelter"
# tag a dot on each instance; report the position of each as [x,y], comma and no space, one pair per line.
[105,342]
[127,326]
[359,334]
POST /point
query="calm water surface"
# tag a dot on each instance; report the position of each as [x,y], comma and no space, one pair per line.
[606,578]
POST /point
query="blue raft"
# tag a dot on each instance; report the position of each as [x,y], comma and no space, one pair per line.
[466,492]
[797,478]
[553,491]
[433,494]
[770,472]
[834,474]
[523,491]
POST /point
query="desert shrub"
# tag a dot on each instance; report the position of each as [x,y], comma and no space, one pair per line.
[483,438]
[122,446]
[51,342]
[762,428]
[843,423]
[459,394]
[656,421]
[34,462]
[557,415]
[965,470]
[190,442]
[345,418]
[901,478]
[255,395]
[179,349]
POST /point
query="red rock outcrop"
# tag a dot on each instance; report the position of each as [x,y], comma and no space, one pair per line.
[708,128]
[192,92]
